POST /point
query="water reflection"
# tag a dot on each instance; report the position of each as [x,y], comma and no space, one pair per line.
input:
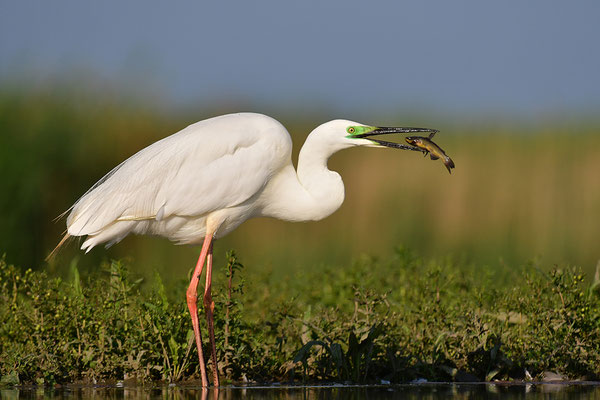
[422,391]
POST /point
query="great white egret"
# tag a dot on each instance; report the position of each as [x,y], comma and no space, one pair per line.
[205,180]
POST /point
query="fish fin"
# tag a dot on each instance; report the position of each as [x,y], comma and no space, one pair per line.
[431,135]
[449,164]
[433,156]
[425,152]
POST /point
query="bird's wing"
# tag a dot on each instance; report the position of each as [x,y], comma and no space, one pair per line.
[200,169]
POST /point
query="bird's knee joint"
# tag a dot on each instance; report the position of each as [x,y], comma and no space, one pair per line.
[208,302]
[192,298]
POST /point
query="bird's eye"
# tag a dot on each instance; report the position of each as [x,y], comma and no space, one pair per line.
[351,129]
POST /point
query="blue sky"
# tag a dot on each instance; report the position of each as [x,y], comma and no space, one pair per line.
[521,57]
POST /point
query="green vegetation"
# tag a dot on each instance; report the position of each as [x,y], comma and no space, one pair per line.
[395,319]
[303,309]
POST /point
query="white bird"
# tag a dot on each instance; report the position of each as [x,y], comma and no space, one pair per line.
[202,182]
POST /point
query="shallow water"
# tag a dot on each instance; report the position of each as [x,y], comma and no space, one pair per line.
[586,390]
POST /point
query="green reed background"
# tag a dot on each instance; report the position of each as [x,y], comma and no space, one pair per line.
[521,189]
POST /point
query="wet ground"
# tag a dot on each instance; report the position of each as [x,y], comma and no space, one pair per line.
[571,390]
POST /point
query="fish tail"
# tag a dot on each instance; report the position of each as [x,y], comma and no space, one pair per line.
[449,164]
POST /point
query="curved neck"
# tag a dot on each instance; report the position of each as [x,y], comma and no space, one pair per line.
[312,171]
[324,186]
[313,192]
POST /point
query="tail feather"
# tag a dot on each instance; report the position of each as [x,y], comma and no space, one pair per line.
[61,216]
[60,244]
[111,234]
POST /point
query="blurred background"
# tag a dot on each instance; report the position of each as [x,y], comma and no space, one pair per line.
[513,87]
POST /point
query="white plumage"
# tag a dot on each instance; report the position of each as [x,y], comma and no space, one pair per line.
[204,181]
[225,169]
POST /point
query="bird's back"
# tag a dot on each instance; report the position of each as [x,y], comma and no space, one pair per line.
[211,165]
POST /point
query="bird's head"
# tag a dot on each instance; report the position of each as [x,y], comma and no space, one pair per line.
[343,134]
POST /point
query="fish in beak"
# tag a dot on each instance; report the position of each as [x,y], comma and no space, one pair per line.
[429,147]
[388,131]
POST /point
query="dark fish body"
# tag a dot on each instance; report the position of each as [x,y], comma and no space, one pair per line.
[429,147]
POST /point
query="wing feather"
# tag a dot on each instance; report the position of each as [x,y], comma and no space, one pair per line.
[210,165]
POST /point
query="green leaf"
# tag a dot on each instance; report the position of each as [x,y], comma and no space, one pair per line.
[303,353]
[12,378]
[75,276]
[492,374]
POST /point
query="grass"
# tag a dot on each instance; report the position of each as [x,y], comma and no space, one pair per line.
[310,306]
[395,319]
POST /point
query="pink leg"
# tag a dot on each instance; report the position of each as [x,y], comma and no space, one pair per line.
[192,298]
[209,305]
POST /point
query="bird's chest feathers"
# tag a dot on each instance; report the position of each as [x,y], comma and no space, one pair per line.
[289,198]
